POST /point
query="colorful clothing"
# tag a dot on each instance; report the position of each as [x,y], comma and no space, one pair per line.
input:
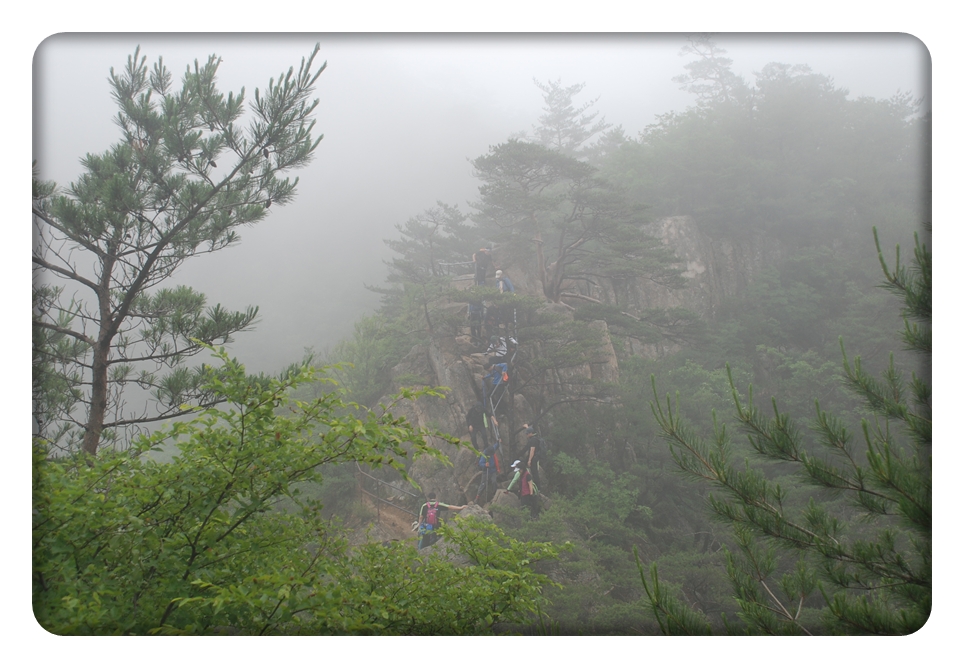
[426,531]
[494,384]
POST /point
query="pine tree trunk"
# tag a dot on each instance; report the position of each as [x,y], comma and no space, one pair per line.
[108,328]
[98,398]
[543,273]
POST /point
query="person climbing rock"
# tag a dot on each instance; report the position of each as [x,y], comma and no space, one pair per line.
[501,348]
[506,311]
[483,260]
[488,463]
[536,451]
[494,384]
[528,489]
[429,517]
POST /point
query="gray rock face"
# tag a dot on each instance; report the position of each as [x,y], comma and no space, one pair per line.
[503,499]
[476,511]
[452,362]
[716,269]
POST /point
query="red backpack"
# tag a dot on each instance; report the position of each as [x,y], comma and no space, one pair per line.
[431,514]
[525,488]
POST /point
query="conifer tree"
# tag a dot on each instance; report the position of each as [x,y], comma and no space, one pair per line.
[436,237]
[564,127]
[188,170]
[710,78]
[555,214]
[873,576]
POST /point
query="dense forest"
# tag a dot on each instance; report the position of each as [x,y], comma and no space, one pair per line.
[707,331]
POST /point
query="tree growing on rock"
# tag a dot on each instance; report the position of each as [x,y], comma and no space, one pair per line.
[436,237]
[555,214]
[553,211]
[184,176]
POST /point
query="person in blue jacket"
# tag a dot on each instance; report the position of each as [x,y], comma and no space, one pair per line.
[489,478]
[494,384]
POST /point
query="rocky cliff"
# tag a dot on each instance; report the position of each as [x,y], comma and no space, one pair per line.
[716,270]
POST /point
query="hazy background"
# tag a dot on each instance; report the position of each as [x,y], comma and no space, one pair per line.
[401,115]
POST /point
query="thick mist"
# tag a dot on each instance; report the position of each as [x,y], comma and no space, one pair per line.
[401,117]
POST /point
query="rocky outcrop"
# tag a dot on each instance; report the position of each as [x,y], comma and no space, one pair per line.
[454,363]
[716,270]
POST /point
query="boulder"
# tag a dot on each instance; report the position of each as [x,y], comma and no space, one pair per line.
[504,499]
[476,511]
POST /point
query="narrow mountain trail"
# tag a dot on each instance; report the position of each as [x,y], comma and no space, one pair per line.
[386,523]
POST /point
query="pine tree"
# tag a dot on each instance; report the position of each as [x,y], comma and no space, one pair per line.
[564,127]
[873,577]
[710,78]
[555,214]
[434,238]
[153,200]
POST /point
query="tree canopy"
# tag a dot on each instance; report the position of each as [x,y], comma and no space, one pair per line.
[556,215]
[791,154]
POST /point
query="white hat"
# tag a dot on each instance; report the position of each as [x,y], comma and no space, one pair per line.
[498,273]
[516,464]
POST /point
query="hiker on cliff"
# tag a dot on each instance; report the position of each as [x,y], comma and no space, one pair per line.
[503,282]
[528,489]
[477,426]
[489,463]
[501,348]
[494,384]
[536,450]
[483,260]
[428,519]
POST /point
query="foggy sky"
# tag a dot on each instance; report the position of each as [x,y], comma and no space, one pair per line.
[401,115]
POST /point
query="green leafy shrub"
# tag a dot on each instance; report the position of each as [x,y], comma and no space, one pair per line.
[221,539]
